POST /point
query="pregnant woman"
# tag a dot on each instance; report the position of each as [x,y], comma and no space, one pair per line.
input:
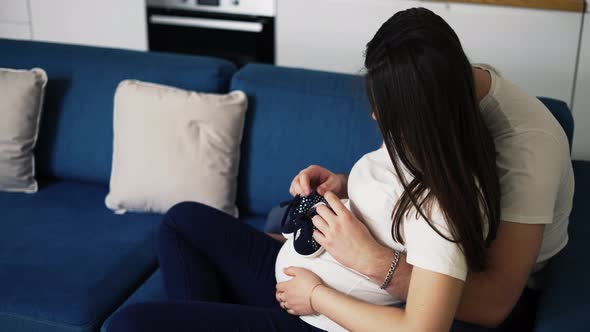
[424,211]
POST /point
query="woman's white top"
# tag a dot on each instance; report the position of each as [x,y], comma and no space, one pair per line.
[373,189]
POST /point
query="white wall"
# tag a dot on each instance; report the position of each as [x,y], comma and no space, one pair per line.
[15,30]
[109,23]
[329,34]
[534,48]
[14,19]
[581,148]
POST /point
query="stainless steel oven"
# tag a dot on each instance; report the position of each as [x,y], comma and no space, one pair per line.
[241,31]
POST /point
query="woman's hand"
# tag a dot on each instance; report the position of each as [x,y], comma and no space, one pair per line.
[321,178]
[345,237]
[294,295]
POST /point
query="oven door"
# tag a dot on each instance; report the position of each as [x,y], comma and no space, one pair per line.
[238,38]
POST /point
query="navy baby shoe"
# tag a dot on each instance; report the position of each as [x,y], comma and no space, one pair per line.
[297,220]
[296,214]
[304,243]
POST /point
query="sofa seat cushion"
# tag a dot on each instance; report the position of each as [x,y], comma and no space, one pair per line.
[564,303]
[66,261]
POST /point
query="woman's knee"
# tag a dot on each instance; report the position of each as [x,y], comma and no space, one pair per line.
[193,219]
[186,212]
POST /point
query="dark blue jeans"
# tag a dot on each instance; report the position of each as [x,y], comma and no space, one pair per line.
[219,274]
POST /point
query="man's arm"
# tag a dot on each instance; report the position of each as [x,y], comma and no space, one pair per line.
[433,295]
[379,266]
[488,296]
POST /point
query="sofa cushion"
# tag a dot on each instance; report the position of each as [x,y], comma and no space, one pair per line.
[66,261]
[296,118]
[75,140]
[20,110]
[186,143]
[564,303]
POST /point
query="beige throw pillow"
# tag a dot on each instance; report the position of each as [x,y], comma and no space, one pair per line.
[173,145]
[21,102]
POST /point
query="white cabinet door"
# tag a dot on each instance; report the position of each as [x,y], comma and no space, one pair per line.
[15,30]
[14,11]
[330,34]
[534,48]
[109,23]
[581,109]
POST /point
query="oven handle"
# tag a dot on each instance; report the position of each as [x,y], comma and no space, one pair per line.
[206,23]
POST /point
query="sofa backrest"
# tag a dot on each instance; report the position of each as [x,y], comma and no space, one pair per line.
[299,117]
[562,113]
[76,135]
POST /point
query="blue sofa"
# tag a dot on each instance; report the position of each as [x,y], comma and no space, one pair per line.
[67,263]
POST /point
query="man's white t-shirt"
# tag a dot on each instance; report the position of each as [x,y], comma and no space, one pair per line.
[534,165]
[536,180]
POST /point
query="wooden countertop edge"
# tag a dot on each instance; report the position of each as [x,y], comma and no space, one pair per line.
[565,5]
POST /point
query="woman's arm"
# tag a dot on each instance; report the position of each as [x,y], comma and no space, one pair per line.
[432,302]
[489,296]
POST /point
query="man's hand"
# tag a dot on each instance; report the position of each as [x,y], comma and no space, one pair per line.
[323,179]
[490,296]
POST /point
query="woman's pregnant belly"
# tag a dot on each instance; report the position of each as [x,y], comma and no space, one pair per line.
[333,274]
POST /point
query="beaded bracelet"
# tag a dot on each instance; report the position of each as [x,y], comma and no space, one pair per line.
[391,269]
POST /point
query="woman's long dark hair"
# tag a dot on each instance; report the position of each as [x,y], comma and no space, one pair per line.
[421,88]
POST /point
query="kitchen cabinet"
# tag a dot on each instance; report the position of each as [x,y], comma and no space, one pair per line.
[569,5]
[15,11]
[329,34]
[581,110]
[109,23]
[536,49]
[15,30]
[15,19]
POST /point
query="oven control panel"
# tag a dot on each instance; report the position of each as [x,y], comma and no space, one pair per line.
[239,7]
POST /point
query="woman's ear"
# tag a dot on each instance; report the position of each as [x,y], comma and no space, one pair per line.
[373,116]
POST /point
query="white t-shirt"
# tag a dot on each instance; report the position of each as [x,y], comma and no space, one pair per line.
[373,189]
[534,165]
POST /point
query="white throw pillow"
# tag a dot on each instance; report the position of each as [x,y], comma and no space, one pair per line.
[21,104]
[173,145]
